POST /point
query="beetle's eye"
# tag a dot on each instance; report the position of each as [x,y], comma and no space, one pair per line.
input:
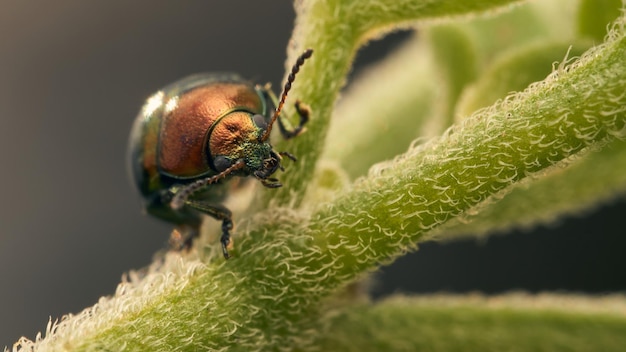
[260,121]
[222,163]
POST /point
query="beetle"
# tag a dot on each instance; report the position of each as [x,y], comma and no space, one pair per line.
[195,134]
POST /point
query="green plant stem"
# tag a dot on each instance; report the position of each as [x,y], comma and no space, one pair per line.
[272,294]
[513,322]
[335,29]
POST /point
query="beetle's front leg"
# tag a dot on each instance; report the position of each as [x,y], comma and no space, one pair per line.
[304,111]
[227,226]
[220,213]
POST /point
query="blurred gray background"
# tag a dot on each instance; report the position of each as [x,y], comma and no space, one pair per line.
[73,75]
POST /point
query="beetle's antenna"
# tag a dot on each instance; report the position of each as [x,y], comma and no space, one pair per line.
[292,76]
[184,193]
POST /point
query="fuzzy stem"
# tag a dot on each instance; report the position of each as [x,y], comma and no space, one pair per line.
[335,29]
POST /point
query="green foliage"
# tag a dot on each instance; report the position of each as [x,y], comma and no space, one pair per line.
[593,16]
[515,159]
[513,322]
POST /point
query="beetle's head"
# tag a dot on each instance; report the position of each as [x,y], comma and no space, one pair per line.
[237,139]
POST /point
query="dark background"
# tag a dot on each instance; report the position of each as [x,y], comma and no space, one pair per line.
[73,75]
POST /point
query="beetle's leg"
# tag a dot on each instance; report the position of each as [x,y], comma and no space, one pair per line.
[220,213]
[304,111]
